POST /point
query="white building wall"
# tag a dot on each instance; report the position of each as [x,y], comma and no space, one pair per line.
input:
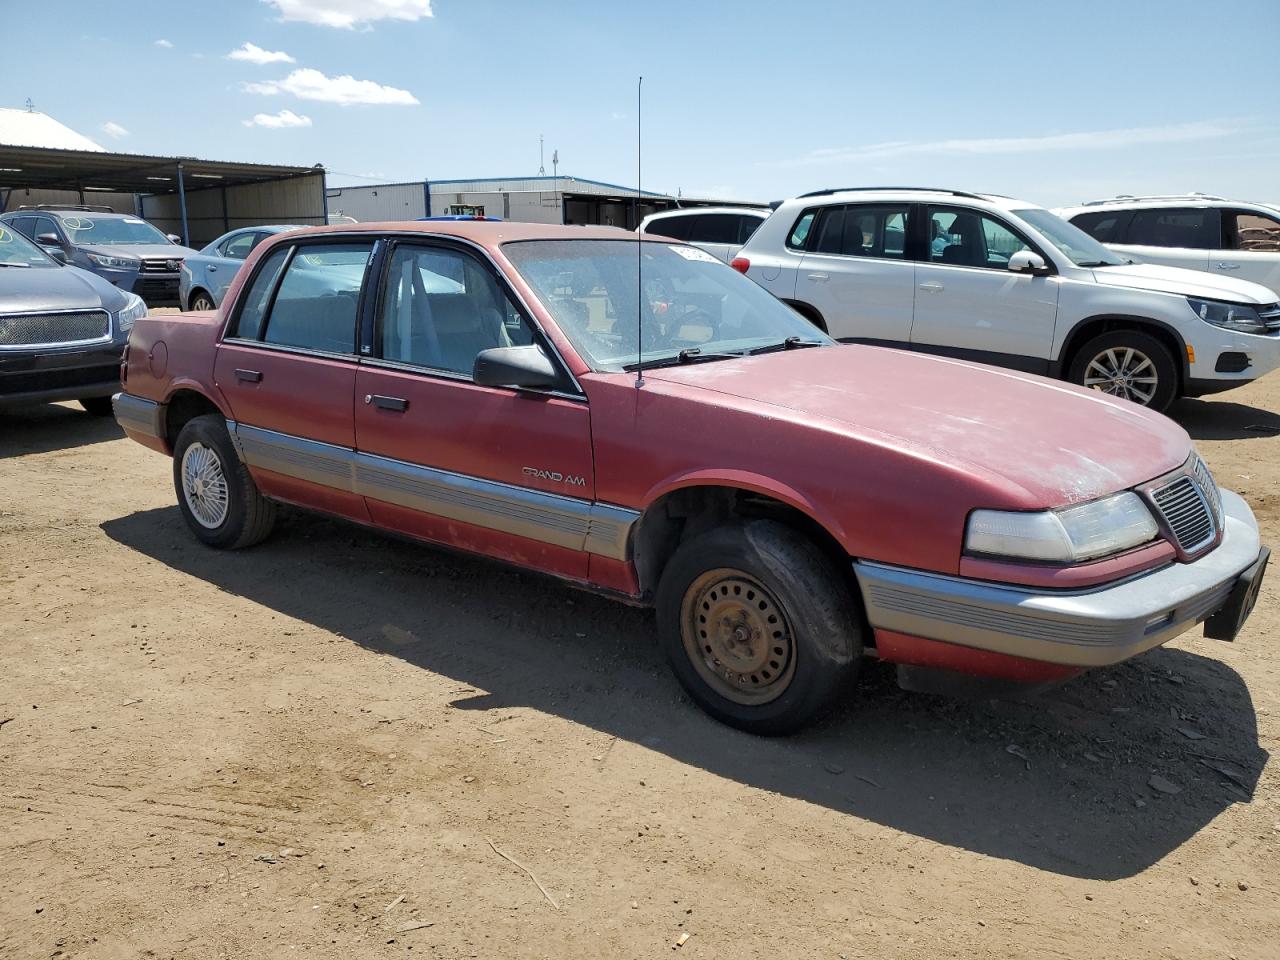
[297,200]
[388,201]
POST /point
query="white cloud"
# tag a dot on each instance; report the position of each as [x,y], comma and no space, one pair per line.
[252,53]
[347,14]
[164,43]
[309,84]
[1087,140]
[278,121]
[113,129]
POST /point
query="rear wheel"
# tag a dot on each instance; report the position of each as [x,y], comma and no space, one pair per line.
[758,626]
[202,301]
[216,494]
[97,406]
[1128,364]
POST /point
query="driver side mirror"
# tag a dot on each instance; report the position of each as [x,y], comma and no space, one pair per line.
[51,245]
[174,238]
[1024,261]
[525,366]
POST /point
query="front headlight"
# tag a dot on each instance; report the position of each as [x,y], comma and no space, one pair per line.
[134,309]
[1239,317]
[114,263]
[1070,535]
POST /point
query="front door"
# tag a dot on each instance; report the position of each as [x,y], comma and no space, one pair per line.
[856,272]
[1172,236]
[499,471]
[968,304]
[287,366]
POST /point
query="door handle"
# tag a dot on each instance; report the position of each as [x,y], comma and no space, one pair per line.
[932,287]
[1228,266]
[398,404]
[819,277]
[212,268]
[249,376]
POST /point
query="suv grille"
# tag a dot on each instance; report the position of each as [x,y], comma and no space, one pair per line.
[161,266]
[1186,510]
[51,329]
[1271,316]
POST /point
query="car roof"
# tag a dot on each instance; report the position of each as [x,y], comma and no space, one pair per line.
[900,194]
[488,233]
[694,211]
[1191,200]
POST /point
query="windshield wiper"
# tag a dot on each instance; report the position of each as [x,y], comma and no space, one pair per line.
[791,343]
[687,355]
[24,266]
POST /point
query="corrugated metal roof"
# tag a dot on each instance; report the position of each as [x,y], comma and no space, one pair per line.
[30,128]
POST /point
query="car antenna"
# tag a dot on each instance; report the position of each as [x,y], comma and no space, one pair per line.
[639,253]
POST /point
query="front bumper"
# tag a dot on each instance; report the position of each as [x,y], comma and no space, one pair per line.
[1092,627]
[50,374]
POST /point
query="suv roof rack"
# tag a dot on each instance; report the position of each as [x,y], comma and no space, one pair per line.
[1128,197]
[829,192]
[86,207]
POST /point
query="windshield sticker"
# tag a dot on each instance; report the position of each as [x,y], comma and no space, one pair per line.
[693,253]
[77,223]
[4,235]
[132,220]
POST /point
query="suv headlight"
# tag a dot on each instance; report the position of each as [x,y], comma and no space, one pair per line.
[1070,535]
[1239,317]
[134,309]
[115,263]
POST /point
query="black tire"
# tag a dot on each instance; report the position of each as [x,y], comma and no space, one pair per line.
[1166,370]
[97,406]
[199,300]
[248,516]
[816,607]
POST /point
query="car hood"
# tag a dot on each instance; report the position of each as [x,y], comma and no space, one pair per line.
[1187,283]
[140,251]
[37,290]
[1050,443]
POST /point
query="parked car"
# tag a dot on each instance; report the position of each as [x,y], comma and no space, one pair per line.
[721,231]
[124,250]
[62,329]
[1008,283]
[786,504]
[1196,231]
[205,276]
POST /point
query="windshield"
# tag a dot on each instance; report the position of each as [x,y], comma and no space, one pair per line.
[692,302]
[17,251]
[85,228]
[1076,245]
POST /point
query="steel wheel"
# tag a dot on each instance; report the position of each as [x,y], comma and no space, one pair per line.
[1123,372]
[204,486]
[738,637]
[202,301]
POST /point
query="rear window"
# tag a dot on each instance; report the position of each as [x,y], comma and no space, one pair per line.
[1175,227]
[677,228]
[716,228]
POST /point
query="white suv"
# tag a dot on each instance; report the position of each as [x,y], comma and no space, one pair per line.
[1002,281]
[721,231]
[1196,231]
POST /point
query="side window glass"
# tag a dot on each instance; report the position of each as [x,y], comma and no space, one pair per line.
[717,228]
[44,225]
[24,225]
[747,226]
[442,307]
[316,304]
[800,232]
[1001,243]
[830,233]
[968,239]
[1103,227]
[1194,229]
[1256,232]
[254,302]
[872,231]
[238,247]
[677,228]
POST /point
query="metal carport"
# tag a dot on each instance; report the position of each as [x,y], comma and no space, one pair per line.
[197,199]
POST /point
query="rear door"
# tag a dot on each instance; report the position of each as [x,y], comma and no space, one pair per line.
[287,366]
[1251,248]
[1172,236]
[220,270]
[967,302]
[856,272]
[499,471]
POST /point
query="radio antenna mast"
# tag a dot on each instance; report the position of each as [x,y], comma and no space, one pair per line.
[639,254]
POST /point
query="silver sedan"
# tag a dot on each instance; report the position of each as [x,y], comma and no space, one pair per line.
[205,277]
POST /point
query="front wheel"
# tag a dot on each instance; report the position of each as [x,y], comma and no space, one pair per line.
[758,626]
[216,494]
[1130,365]
[202,301]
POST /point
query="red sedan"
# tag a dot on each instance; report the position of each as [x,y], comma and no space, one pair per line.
[637,418]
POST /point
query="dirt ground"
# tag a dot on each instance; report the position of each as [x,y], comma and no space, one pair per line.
[342,745]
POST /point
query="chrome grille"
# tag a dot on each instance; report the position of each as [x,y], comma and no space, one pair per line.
[1209,487]
[1186,512]
[51,329]
[161,266]
[1271,316]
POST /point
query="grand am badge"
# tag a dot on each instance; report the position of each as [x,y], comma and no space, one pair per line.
[555,476]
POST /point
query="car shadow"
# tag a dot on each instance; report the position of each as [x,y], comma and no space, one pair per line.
[1062,783]
[46,427]
[1224,420]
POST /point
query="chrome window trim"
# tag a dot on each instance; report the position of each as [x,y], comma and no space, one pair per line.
[286,348]
[590,526]
[452,376]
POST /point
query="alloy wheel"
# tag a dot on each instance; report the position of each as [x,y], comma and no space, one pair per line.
[1123,372]
[204,486]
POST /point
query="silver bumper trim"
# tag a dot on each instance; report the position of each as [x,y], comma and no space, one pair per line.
[1092,627]
[137,415]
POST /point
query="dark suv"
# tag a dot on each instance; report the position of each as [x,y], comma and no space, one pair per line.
[123,249]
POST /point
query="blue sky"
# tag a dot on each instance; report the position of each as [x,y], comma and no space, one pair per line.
[1052,103]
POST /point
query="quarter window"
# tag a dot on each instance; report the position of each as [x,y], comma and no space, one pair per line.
[800,232]
[716,228]
[315,307]
[441,307]
[1253,231]
[1172,227]
[965,238]
[1103,227]
[747,226]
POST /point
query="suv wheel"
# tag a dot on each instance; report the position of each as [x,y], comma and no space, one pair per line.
[217,497]
[758,626]
[1128,364]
